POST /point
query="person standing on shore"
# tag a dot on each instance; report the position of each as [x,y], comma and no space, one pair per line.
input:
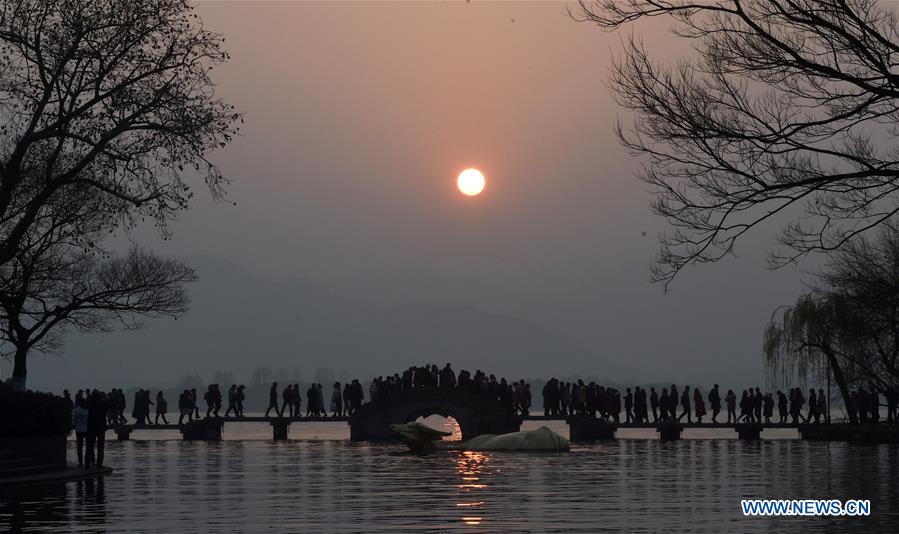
[79,421]
[96,429]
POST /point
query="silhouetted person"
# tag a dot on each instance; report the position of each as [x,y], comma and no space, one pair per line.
[311,400]
[673,399]
[685,405]
[239,397]
[162,407]
[79,422]
[892,398]
[715,403]
[796,402]
[731,401]
[216,400]
[273,399]
[337,400]
[287,398]
[320,399]
[194,403]
[745,408]
[96,429]
[232,401]
[297,401]
[874,403]
[628,406]
[654,404]
[185,407]
[698,405]
[822,410]
[70,404]
[812,406]
[757,401]
[782,406]
[210,400]
[347,399]
[768,407]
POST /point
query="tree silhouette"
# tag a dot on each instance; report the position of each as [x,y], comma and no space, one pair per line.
[52,285]
[107,110]
[851,317]
[109,95]
[788,111]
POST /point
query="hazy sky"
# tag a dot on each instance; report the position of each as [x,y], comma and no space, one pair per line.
[358,118]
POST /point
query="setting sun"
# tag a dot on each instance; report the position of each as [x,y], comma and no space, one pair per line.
[470,182]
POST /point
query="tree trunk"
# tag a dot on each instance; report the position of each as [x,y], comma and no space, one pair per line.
[841,383]
[19,370]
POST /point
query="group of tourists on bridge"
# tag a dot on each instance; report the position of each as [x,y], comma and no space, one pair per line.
[560,399]
[515,396]
[566,398]
[344,401]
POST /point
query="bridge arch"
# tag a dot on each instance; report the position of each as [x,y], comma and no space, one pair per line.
[475,413]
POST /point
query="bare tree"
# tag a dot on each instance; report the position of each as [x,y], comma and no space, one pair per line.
[110,98]
[106,107]
[787,111]
[53,288]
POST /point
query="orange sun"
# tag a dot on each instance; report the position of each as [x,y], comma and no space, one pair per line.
[471,182]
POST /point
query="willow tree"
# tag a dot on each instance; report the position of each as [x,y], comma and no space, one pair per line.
[805,333]
[786,111]
[850,319]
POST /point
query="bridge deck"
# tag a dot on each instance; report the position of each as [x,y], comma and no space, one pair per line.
[261,419]
[255,419]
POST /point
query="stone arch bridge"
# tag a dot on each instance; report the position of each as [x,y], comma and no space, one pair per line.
[475,413]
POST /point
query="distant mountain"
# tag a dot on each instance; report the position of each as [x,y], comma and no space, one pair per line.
[238,321]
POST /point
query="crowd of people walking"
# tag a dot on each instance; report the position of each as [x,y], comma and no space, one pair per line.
[560,399]
[567,398]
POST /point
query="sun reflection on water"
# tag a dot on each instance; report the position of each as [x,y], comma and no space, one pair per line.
[470,466]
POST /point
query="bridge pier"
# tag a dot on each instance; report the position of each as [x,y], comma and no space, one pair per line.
[279,428]
[749,431]
[208,429]
[123,433]
[589,429]
[669,430]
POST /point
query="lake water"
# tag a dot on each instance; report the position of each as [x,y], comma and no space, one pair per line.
[319,481]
